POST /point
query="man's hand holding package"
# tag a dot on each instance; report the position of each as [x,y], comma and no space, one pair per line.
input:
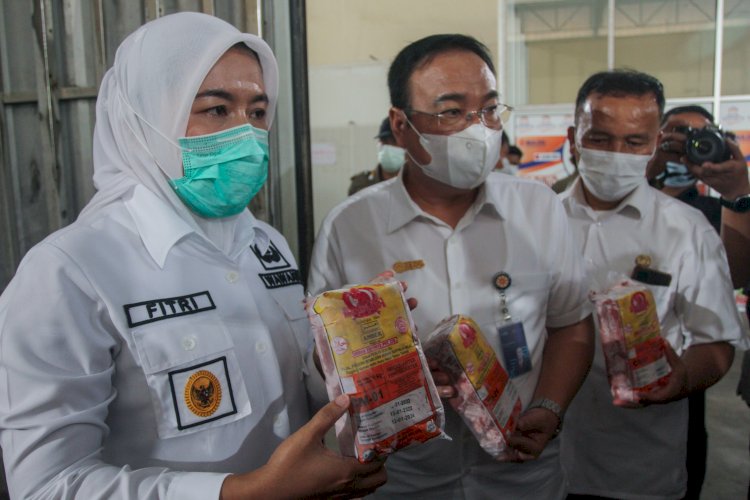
[535,428]
[677,386]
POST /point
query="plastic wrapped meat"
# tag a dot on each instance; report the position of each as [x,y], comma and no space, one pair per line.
[631,340]
[487,400]
[365,339]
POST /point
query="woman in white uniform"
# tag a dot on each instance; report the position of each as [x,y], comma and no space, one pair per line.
[157,347]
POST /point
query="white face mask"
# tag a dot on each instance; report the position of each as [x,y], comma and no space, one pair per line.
[611,176]
[391,158]
[464,159]
[677,175]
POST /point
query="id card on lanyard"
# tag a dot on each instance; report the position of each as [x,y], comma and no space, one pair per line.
[511,335]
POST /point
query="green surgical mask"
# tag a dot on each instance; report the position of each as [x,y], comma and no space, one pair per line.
[391,158]
[223,171]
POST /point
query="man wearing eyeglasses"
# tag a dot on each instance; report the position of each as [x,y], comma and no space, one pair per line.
[469,241]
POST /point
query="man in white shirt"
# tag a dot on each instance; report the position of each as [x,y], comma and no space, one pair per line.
[616,217]
[155,348]
[460,235]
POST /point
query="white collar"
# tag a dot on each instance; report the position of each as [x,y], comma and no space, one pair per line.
[402,209]
[160,227]
[634,205]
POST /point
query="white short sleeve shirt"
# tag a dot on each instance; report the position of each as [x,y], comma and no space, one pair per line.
[137,360]
[625,453]
[515,226]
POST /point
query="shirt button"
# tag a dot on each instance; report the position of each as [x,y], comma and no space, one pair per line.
[457,286]
[189,343]
[232,277]
[261,346]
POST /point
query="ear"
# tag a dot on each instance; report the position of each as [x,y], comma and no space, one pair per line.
[572,142]
[398,125]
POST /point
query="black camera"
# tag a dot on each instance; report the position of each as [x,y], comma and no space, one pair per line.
[705,144]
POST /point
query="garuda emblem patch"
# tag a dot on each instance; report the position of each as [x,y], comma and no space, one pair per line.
[203,393]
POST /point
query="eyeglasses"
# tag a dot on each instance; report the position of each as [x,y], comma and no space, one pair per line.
[452,119]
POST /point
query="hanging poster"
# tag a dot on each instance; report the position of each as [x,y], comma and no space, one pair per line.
[542,136]
[735,117]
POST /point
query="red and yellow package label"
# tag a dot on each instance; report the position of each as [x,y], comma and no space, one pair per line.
[634,350]
[648,364]
[379,366]
[639,319]
[487,399]
[366,326]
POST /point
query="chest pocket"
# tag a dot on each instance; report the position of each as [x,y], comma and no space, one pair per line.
[528,295]
[662,299]
[193,375]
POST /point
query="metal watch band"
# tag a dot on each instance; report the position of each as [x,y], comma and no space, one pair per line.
[551,406]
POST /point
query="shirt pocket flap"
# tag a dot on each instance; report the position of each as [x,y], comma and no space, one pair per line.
[181,343]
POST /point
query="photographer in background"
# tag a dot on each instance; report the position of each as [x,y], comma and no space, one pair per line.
[692,148]
[730,179]
[669,174]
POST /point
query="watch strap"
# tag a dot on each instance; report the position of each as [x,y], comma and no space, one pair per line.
[740,204]
[550,405]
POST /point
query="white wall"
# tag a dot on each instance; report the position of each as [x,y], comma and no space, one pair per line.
[347,105]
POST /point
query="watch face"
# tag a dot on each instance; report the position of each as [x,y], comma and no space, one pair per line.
[742,204]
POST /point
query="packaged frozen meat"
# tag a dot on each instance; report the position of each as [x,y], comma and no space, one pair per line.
[633,347]
[487,400]
[365,338]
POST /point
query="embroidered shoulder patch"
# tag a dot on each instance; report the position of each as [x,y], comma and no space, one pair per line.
[283,274]
[272,259]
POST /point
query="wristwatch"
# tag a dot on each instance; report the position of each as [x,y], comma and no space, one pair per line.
[740,204]
[552,406]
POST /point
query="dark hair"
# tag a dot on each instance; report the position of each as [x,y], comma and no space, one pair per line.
[515,150]
[385,131]
[621,82]
[423,51]
[504,138]
[699,110]
[245,48]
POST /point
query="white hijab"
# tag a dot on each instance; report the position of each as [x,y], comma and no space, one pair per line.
[157,72]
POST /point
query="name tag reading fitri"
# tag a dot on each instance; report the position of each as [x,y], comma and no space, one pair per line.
[511,334]
[149,311]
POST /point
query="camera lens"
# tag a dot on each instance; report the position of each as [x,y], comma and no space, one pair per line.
[706,144]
